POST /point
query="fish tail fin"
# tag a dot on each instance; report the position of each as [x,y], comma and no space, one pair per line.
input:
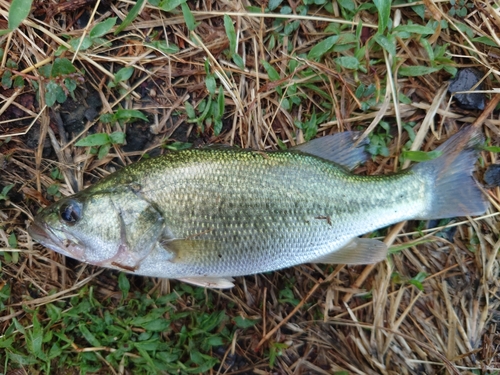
[455,192]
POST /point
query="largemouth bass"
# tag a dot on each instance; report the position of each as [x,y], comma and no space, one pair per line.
[206,215]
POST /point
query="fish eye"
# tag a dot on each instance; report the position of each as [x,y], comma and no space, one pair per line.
[70,212]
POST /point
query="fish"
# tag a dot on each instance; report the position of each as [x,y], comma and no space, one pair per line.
[206,215]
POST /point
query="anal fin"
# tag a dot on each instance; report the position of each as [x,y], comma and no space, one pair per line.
[210,282]
[358,251]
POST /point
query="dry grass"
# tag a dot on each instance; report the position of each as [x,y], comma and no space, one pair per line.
[357,319]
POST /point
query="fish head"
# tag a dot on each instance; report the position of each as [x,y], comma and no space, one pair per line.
[84,228]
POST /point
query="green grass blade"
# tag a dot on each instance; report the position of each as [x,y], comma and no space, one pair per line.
[134,12]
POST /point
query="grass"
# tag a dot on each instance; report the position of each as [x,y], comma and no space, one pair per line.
[172,74]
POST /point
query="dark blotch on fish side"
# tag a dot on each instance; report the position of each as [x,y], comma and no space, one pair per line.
[464,80]
[492,175]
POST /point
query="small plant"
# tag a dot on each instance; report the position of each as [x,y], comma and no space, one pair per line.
[61,79]
[101,142]
[415,281]
[93,39]
[310,126]
[122,75]
[210,110]
[460,8]
[5,192]
[418,156]
[380,140]
[276,350]
[145,333]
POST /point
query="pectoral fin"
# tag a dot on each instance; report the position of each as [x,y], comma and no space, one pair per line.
[210,282]
[187,251]
[358,251]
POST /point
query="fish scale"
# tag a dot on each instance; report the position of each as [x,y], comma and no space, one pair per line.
[205,215]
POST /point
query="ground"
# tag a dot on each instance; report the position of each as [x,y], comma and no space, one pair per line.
[91,86]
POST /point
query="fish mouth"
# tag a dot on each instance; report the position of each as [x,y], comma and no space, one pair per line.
[56,240]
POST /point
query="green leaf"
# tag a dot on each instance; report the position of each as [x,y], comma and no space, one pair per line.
[237,59]
[415,29]
[88,335]
[12,240]
[123,284]
[465,29]
[7,79]
[271,72]
[18,11]
[5,191]
[177,146]
[211,84]
[117,138]
[11,64]
[127,114]
[62,66]
[157,325]
[169,5]
[221,101]
[420,10]
[85,44]
[53,189]
[134,12]
[347,4]
[106,118]
[188,17]
[53,93]
[6,342]
[486,40]
[386,42]
[18,82]
[102,28]
[215,341]
[103,151]
[417,284]
[36,338]
[487,148]
[70,85]
[273,4]
[45,70]
[124,74]
[244,323]
[348,62]
[162,46]
[414,71]
[231,34]
[98,139]
[190,110]
[421,155]
[53,312]
[55,351]
[322,47]
[384,13]
[428,48]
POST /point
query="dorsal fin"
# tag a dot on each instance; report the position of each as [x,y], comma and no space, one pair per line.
[338,148]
